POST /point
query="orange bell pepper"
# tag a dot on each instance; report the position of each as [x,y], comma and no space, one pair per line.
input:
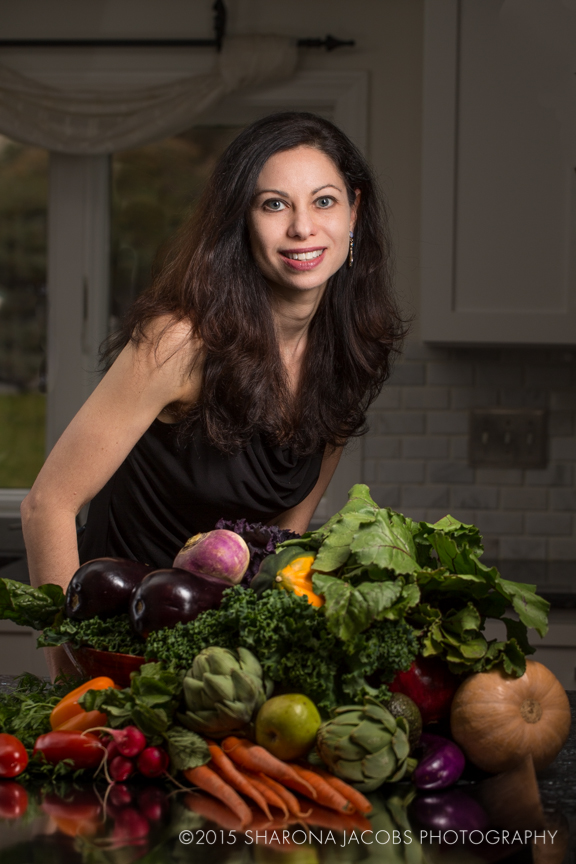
[68,707]
[83,721]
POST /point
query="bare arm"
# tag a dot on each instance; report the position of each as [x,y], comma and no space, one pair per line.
[131,395]
[297,518]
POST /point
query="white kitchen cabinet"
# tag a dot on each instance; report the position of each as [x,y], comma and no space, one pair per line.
[499,179]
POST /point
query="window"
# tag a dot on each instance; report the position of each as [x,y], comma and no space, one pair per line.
[23,209]
[154,188]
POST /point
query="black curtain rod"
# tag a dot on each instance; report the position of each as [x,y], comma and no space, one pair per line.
[220,16]
[330,43]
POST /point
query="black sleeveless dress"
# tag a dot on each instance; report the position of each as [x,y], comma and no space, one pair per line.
[168,489]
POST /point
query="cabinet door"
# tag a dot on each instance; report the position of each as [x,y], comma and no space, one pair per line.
[499,179]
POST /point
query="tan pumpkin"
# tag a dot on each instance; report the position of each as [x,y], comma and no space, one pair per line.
[498,719]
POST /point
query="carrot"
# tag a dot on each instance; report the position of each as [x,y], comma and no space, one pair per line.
[334,821]
[325,794]
[269,794]
[213,810]
[208,780]
[261,822]
[289,799]
[259,760]
[228,771]
[359,801]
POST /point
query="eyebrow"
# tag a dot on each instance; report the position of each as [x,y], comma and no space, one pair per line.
[286,194]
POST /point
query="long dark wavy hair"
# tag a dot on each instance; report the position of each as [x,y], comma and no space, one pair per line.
[210,278]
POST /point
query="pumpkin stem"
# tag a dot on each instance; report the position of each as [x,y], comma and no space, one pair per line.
[531,711]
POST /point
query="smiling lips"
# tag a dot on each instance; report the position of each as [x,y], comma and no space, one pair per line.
[303,259]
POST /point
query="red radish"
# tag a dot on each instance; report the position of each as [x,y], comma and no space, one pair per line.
[120,795]
[153,762]
[120,768]
[112,750]
[430,684]
[153,803]
[130,825]
[130,741]
[220,553]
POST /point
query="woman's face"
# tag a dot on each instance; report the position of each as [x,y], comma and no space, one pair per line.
[300,219]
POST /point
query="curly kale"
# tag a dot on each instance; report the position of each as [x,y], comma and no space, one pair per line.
[294,645]
[260,539]
[386,648]
[113,634]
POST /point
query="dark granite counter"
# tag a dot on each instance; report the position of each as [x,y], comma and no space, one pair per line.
[558,782]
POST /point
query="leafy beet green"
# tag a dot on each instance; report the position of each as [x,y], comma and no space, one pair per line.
[378,565]
[28,606]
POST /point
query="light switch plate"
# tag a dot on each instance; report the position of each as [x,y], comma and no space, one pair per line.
[507,438]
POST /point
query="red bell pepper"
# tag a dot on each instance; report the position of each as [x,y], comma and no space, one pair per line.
[84,749]
[430,684]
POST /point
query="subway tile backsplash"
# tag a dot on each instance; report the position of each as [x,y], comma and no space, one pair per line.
[416,453]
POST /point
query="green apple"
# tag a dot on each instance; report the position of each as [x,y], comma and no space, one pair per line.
[286,725]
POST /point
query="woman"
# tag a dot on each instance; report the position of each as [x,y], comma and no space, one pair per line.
[240,374]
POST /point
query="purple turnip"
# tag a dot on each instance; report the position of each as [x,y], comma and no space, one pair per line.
[220,553]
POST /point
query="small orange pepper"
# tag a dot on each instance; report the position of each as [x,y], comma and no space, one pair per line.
[68,707]
[297,577]
[83,721]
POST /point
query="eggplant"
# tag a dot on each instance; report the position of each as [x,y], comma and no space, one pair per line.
[103,587]
[166,597]
[450,811]
[441,765]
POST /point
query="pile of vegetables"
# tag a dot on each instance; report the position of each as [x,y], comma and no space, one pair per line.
[374,623]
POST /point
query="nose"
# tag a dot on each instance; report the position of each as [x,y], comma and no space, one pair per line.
[302,224]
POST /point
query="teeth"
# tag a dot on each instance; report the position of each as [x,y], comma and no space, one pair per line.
[304,256]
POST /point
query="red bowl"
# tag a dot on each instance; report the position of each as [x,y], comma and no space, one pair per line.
[91,663]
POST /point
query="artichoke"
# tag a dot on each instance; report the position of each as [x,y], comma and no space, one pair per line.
[223,691]
[365,745]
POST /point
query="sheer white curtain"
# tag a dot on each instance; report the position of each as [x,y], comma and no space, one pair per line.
[116,115]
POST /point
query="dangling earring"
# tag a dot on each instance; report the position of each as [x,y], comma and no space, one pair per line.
[351,250]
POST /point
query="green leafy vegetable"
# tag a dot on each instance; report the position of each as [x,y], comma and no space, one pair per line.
[294,644]
[113,634]
[373,564]
[25,711]
[186,749]
[30,607]
[150,702]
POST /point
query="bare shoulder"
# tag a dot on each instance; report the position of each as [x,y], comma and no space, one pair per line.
[168,356]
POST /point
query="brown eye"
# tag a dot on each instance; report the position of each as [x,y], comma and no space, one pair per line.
[274,204]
